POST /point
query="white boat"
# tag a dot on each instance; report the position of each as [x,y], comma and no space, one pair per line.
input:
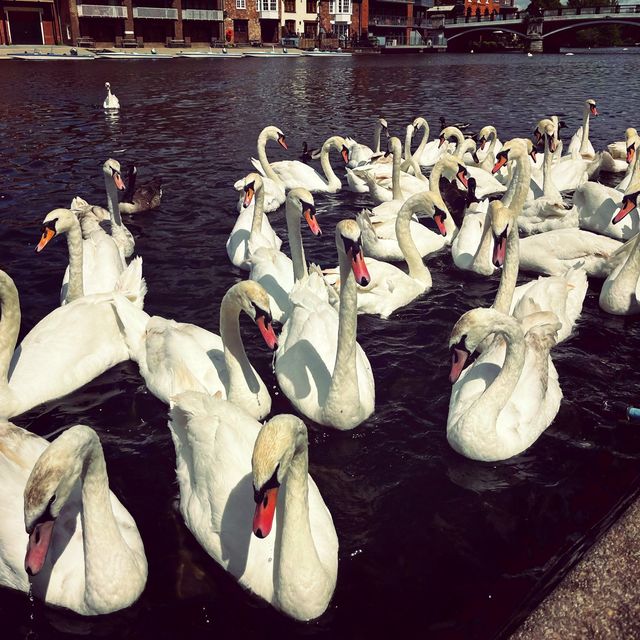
[209,54]
[48,57]
[273,54]
[132,55]
[327,54]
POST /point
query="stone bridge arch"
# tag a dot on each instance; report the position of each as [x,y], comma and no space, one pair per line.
[602,22]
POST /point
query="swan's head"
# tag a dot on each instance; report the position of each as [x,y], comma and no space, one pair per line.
[107,86]
[631,139]
[252,185]
[449,132]
[469,146]
[484,134]
[382,123]
[463,175]
[55,222]
[394,146]
[420,123]
[339,143]
[517,147]
[250,297]
[427,203]
[273,451]
[591,106]
[273,133]
[302,201]
[470,330]
[111,170]
[471,192]
[546,130]
[502,221]
[349,243]
[50,484]
[629,203]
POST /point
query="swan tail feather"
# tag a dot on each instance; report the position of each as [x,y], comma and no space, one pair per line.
[131,284]
[134,322]
[258,166]
[369,236]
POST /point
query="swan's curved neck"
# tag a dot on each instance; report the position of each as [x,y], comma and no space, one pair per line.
[584,144]
[423,142]
[112,200]
[407,142]
[258,212]
[376,137]
[395,175]
[549,189]
[9,323]
[74,242]
[516,195]
[298,554]
[489,160]
[627,277]
[325,162]
[262,156]
[296,247]
[105,551]
[496,395]
[509,275]
[457,134]
[344,381]
[417,269]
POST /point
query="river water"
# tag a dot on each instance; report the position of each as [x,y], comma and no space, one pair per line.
[430,543]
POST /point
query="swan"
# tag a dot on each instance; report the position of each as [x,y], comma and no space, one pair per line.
[488,156]
[175,356]
[147,196]
[632,141]
[428,153]
[293,173]
[620,293]
[67,349]
[548,211]
[391,288]
[580,140]
[467,241]
[275,271]
[619,149]
[237,476]
[563,295]
[629,203]
[102,276]
[251,225]
[486,184]
[501,404]
[319,365]
[83,549]
[273,187]
[360,154]
[111,101]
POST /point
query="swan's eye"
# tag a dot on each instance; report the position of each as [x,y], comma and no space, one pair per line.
[262,313]
[271,483]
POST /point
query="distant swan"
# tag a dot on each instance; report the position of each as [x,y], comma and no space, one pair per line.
[111,101]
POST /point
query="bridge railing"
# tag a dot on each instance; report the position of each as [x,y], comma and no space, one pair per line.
[498,17]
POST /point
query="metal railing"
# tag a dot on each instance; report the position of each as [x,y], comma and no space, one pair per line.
[101,11]
[210,15]
[157,13]
[390,21]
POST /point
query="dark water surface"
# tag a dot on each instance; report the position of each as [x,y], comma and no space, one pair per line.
[430,543]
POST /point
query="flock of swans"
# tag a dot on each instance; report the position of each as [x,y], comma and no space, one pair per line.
[83,549]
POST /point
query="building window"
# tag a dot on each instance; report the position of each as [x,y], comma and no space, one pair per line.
[311,6]
[310,29]
[267,5]
[289,6]
[241,4]
[340,6]
[290,28]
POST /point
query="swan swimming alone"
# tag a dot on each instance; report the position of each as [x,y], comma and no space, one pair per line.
[111,102]
[83,549]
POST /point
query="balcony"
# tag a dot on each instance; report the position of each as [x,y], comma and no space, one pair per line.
[101,11]
[209,15]
[390,21]
[157,13]
[342,18]
[268,14]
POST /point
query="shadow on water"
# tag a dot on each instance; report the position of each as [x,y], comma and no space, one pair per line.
[428,539]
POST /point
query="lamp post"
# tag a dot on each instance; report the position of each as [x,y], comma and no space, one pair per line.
[319,27]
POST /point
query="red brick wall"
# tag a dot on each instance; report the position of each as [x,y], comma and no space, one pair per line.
[250,14]
[480,6]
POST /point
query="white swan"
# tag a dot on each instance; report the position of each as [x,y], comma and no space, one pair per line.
[632,141]
[319,365]
[251,226]
[67,349]
[104,277]
[580,140]
[488,156]
[111,101]
[548,211]
[175,356]
[391,288]
[502,403]
[466,243]
[274,270]
[226,463]
[293,173]
[360,154]
[563,295]
[273,187]
[428,153]
[83,549]
[620,293]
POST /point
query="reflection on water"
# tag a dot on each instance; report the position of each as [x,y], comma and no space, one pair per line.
[428,539]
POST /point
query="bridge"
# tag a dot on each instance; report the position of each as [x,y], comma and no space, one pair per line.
[537,28]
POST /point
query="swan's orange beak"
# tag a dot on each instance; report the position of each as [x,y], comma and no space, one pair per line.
[631,152]
[359,267]
[442,141]
[628,205]
[47,235]
[265,510]
[500,249]
[312,221]
[266,329]
[594,111]
[281,141]
[439,217]
[37,547]
[248,195]
[117,179]
[500,162]
[345,154]
[458,360]
[463,176]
